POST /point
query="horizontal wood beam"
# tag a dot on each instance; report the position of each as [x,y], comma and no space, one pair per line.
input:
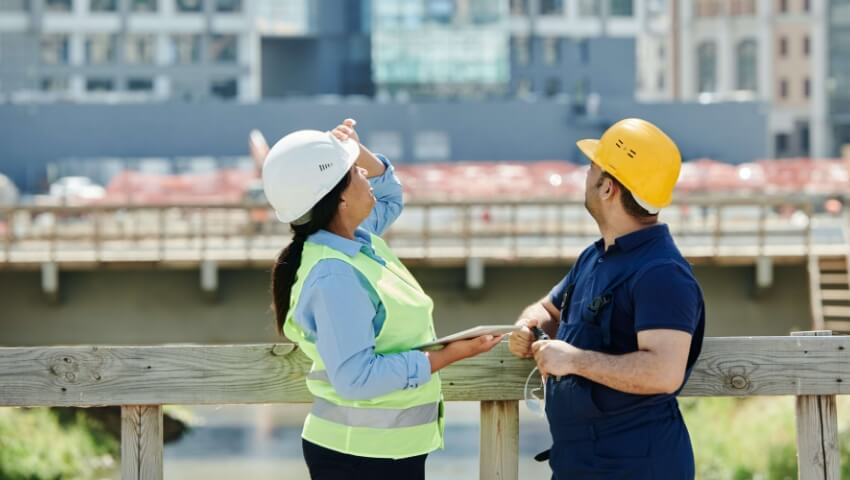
[274,373]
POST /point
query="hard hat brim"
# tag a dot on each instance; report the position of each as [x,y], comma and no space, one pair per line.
[588,147]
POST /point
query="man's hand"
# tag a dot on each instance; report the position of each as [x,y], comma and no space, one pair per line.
[520,341]
[555,357]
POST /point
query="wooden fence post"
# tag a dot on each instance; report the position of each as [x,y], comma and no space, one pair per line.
[499,440]
[817,432]
[141,442]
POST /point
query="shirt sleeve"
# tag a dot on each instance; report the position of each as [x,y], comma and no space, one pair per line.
[337,312]
[388,193]
[667,297]
[556,295]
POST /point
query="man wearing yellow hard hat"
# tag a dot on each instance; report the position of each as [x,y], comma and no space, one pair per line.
[626,322]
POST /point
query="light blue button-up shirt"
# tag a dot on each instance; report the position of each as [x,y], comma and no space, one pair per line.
[340,310]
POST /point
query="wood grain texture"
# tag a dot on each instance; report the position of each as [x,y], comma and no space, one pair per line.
[817,433]
[499,459]
[141,442]
[274,373]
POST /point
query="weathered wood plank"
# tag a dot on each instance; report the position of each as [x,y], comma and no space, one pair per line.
[274,373]
[141,442]
[831,264]
[833,279]
[817,433]
[499,458]
[835,294]
[836,311]
[838,325]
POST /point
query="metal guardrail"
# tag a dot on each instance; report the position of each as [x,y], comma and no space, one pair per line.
[811,366]
[502,230]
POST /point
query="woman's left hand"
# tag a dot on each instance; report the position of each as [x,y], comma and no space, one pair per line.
[345,130]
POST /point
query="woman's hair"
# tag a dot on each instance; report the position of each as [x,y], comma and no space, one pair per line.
[286,266]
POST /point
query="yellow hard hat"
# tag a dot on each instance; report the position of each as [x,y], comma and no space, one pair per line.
[642,157]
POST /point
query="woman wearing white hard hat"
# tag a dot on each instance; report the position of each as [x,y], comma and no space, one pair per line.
[355,310]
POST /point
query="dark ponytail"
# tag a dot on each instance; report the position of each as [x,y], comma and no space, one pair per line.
[286,266]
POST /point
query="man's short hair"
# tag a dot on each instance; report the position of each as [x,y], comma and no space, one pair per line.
[628,201]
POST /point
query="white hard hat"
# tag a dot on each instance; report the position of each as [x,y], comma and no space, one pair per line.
[301,168]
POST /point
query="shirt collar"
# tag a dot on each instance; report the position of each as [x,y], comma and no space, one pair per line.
[342,244]
[631,241]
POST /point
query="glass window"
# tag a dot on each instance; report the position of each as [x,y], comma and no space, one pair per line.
[387,143]
[143,5]
[807,87]
[519,7]
[781,143]
[804,138]
[431,146]
[521,50]
[807,5]
[706,67]
[523,87]
[57,5]
[551,50]
[14,5]
[225,89]
[708,8]
[588,8]
[100,84]
[622,8]
[660,81]
[584,51]
[140,84]
[551,7]
[743,7]
[103,5]
[783,88]
[439,11]
[553,86]
[228,5]
[54,49]
[747,65]
[783,47]
[54,84]
[783,6]
[141,49]
[807,45]
[223,48]
[189,5]
[185,49]
[101,48]
[482,12]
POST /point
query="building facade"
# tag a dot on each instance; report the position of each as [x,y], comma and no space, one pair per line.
[127,50]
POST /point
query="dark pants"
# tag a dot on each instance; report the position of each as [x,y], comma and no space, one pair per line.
[325,464]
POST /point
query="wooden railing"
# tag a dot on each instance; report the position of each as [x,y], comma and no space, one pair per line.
[143,378]
[556,228]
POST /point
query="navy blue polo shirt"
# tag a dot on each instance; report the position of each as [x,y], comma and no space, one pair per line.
[660,296]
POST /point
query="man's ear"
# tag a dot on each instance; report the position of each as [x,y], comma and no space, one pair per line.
[607,189]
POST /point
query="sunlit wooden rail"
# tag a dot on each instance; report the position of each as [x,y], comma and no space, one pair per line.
[707,229]
[812,366]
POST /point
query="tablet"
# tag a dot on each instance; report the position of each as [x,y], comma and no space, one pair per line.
[467,334]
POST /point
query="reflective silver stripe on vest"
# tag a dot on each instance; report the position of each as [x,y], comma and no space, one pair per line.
[320,375]
[376,417]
